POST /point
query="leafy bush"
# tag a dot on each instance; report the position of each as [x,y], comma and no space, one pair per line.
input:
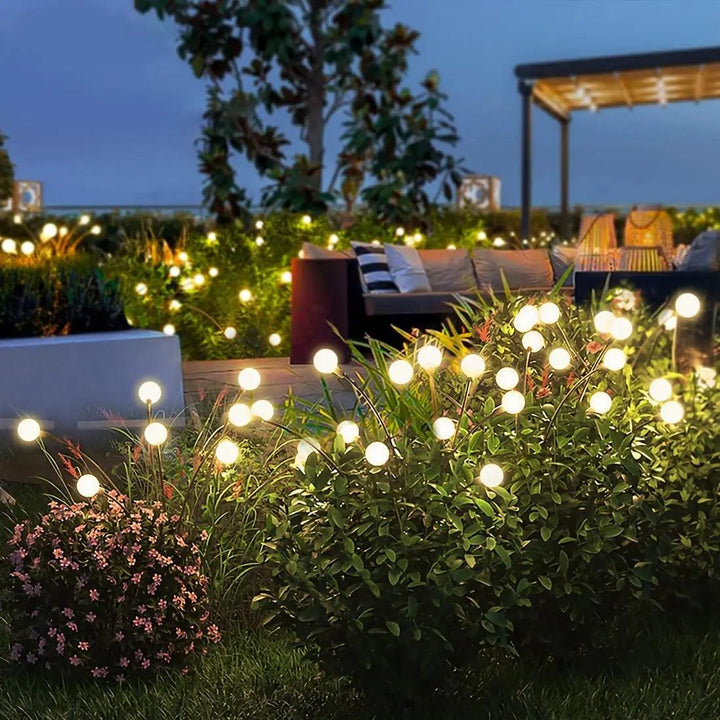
[107,589]
[395,573]
[57,297]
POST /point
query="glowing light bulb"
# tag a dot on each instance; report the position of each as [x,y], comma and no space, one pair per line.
[549,313]
[559,359]
[687,305]
[472,365]
[141,289]
[17,219]
[621,328]
[169,329]
[513,402]
[199,279]
[507,378]
[240,415]
[9,245]
[27,248]
[533,341]
[95,230]
[603,321]
[306,220]
[325,361]
[526,319]
[28,429]
[259,224]
[48,232]
[400,372]
[452,246]
[482,235]
[84,220]
[88,485]
[498,242]
[149,392]
[672,412]
[213,272]
[230,332]
[63,231]
[174,305]
[491,475]
[155,433]
[443,428]
[183,257]
[227,452]
[212,237]
[400,231]
[600,402]
[275,339]
[286,277]
[249,379]
[377,453]
[614,359]
[174,271]
[660,390]
[306,448]
[429,357]
[259,240]
[348,430]
[668,319]
[333,240]
[245,295]
[263,409]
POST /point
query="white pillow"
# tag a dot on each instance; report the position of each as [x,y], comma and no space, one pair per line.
[407,269]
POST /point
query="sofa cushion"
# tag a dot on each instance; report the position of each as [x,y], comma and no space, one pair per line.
[522,269]
[406,269]
[561,258]
[448,270]
[310,251]
[431,303]
[374,271]
[703,253]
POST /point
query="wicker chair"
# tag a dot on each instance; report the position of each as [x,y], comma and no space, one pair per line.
[598,244]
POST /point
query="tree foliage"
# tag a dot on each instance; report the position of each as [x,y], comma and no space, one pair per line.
[7,171]
[317,61]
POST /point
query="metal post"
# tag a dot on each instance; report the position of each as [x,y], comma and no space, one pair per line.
[525,89]
[564,178]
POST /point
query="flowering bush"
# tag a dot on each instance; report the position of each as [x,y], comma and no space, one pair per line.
[107,588]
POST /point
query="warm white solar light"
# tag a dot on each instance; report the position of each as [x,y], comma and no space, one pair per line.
[443,428]
[17,218]
[377,453]
[482,235]
[473,366]
[672,412]
[9,246]
[600,402]
[230,332]
[84,220]
[174,271]
[668,319]
[263,409]
[400,231]
[452,246]
[526,319]
[212,237]
[429,357]
[559,359]
[156,433]
[533,341]
[400,372]
[48,232]
[614,359]
[660,390]
[245,295]
[169,329]
[28,429]
[621,328]
[274,339]
[183,257]
[498,242]
[491,475]
[95,230]
[174,305]
[88,485]
[507,378]
[149,392]
[549,313]
[213,272]
[141,288]
[348,430]
[249,379]
[513,402]
[259,240]
[603,321]
[306,220]
[259,224]
[227,452]
[240,415]
[333,239]
[687,305]
[199,279]
[325,361]
[286,277]
[27,248]
[63,231]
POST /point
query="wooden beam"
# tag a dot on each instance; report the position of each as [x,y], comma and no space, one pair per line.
[550,100]
[625,90]
[699,83]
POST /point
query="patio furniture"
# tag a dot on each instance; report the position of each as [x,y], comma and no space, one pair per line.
[597,245]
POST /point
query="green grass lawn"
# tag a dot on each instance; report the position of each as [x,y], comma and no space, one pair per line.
[672,671]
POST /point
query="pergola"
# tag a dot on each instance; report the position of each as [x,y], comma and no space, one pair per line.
[565,86]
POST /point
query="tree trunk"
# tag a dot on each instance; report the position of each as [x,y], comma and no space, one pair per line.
[315,134]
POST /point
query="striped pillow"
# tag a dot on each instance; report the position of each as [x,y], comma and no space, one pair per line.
[374,272]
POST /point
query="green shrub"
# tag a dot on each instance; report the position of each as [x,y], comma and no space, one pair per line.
[398,573]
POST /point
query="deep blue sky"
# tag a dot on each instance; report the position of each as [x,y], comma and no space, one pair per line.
[99,107]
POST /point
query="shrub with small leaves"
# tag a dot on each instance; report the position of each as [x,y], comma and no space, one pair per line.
[107,588]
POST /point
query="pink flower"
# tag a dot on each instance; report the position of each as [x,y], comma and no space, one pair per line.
[75,661]
[94,595]
[99,672]
[145,664]
[119,636]
[124,662]
[91,617]
[68,613]
[84,645]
